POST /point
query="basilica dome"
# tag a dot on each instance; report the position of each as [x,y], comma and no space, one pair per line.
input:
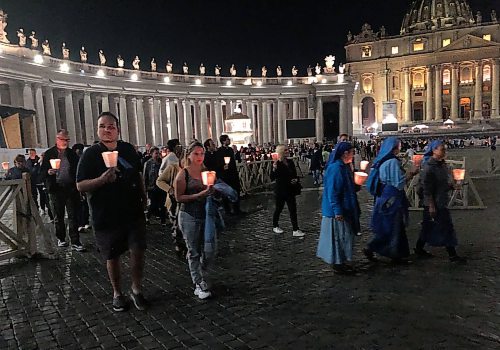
[434,14]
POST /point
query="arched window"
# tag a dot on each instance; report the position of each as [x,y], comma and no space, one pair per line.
[446,77]
[367,85]
[487,73]
[418,80]
[466,75]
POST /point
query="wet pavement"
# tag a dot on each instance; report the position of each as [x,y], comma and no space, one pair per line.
[270,292]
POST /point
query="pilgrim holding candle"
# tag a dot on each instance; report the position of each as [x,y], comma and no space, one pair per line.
[435,182]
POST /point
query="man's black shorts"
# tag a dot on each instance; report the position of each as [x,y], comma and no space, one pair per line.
[115,241]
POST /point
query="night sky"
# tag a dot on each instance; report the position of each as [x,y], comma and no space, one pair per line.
[243,32]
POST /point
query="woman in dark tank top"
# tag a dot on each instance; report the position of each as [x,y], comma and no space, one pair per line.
[191,194]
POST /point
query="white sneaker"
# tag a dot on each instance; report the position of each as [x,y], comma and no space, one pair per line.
[277,230]
[298,233]
[200,293]
[62,243]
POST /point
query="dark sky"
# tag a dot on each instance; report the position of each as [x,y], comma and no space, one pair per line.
[243,32]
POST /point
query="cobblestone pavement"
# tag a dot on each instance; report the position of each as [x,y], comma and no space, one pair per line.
[270,292]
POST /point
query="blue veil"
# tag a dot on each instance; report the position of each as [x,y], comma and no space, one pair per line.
[338,151]
[385,153]
[432,146]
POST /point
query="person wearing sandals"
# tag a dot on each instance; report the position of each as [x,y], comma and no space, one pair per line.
[286,188]
[191,194]
[340,210]
[437,226]
[390,213]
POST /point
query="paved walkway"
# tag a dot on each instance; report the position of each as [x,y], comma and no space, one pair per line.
[270,292]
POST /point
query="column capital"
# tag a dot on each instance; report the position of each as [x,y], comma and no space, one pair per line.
[406,70]
[455,65]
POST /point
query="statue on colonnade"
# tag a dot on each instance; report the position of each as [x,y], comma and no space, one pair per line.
[317,69]
[136,63]
[232,70]
[120,61]
[264,71]
[341,68]
[479,18]
[22,37]
[34,41]
[65,51]
[217,70]
[153,65]
[83,55]
[46,48]
[202,69]
[329,62]
[102,58]
[169,66]
[248,72]
[279,71]
[493,16]
[309,71]
[295,71]
[3,24]
[185,68]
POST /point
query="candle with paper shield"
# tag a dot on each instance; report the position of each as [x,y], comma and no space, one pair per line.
[110,159]
[360,178]
[5,165]
[208,177]
[364,164]
[275,156]
[227,160]
[55,163]
[417,159]
[459,174]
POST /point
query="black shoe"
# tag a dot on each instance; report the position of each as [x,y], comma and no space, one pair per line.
[120,304]
[369,255]
[139,301]
[343,270]
[422,253]
[458,259]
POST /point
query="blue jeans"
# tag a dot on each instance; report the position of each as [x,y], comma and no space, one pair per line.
[192,231]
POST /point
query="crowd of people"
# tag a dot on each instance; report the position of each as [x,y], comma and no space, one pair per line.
[170,184]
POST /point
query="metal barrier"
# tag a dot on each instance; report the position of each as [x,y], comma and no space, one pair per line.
[466,197]
[255,175]
[20,222]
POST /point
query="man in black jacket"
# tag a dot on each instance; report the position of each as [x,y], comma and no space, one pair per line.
[228,172]
[61,187]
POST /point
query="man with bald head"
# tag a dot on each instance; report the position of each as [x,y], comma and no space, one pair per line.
[61,188]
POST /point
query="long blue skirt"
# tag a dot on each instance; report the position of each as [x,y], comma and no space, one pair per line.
[335,241]
[440,231]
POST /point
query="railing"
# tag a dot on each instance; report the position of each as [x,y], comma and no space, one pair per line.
[256,175]
[20,223]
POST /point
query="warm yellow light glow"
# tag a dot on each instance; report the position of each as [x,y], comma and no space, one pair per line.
[446,42]
[38,59]
[487,37]
[64,67]
[395,50]
[289,83]
[197,81]
[228,83]
[100,73]
[134,77]
[166,80]
[418,46]
[259,83]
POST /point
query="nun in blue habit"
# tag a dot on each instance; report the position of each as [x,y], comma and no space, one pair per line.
[390,213]
[340,210]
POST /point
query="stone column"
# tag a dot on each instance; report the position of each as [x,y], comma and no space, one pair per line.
[407,102]
[429,108]
[265,121]
[141,123]
[28,101]
[269,121]
[70,114]
[255,126]
[213,124]
[89,121]
[188,125]
[244,108]
[114,101]
[51,114]
[295,109]
[123,117]
[40,115]
[438,93]
[157,125]
[478,92]
[148,109]
[95,112]
[495,89]
[180,121]
[105,102]
[454,92]
[350,125]
[163,122]
[196,120]
[218,119]
[204,120]
[319,119]
[172,119]
[343,127]
[281,122]
[79,118]
[133,129]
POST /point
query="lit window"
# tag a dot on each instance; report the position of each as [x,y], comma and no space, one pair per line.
[367,85]
[418,46]
[366,51]
[487,37]
[395,50]
[446,77]
[486,73]
[446,42]
[418,80]
[466,75]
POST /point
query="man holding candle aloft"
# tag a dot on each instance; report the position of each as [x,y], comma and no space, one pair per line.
[58,170]
[110,173]
[437,226]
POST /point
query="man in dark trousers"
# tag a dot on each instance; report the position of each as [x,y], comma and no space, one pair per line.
[228,172]
[61,187]
[117,200]
[210,160]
